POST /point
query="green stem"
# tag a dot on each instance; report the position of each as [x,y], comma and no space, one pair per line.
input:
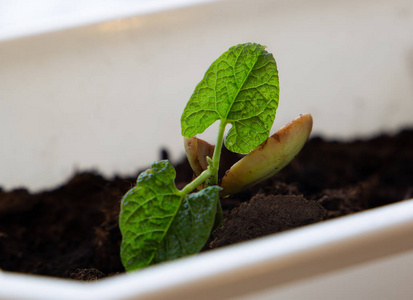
[210,175]
[217,154]
[215,164]
[196,182]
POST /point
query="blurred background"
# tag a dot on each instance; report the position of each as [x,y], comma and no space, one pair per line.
[101,84]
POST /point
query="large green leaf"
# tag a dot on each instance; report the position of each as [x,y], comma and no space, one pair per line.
[157,223]
[241,88]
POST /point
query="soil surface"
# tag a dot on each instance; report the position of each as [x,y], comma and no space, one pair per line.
[72,231]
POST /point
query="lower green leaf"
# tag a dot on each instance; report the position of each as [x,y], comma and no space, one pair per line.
[159,224]
[191,226]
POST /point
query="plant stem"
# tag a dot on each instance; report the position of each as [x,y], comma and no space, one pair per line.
[196,182]
[215,163]
[217,154]
[210,175]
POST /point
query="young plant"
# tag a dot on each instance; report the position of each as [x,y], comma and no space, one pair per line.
[158,222]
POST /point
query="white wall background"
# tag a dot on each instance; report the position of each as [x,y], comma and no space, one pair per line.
[109,95]
[19,18]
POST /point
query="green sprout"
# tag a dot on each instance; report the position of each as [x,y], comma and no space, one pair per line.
[158,222]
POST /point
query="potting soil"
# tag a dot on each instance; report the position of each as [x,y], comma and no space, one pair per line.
[72,231]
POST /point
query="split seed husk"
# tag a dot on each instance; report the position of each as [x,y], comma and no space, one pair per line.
[268,158]
[197,151]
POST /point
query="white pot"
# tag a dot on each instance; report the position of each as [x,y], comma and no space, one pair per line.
[108,91]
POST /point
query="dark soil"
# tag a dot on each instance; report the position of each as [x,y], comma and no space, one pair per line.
[72,231]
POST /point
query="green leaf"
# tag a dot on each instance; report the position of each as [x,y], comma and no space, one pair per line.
[192,225]
[241,88]
[157,223]
[147,212]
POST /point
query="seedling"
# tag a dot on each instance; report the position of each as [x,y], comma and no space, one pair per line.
[159,222]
